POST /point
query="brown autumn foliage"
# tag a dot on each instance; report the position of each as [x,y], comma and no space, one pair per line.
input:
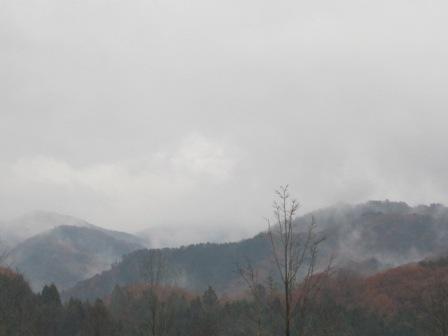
[7,272]
[402,289]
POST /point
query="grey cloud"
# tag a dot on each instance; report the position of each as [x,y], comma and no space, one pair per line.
[133,114]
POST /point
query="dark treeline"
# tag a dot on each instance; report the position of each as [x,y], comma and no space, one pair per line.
[406,301]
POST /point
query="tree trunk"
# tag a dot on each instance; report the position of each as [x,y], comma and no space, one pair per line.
[288,310]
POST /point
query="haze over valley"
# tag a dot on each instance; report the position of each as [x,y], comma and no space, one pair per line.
[223,168]
[365,238]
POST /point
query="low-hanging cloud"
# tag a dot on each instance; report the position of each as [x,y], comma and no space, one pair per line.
[148,113]
[147,187]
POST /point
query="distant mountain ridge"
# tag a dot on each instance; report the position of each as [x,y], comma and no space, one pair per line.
[32,223]
[367,237]
[65,249]
[68,254]
[393,233]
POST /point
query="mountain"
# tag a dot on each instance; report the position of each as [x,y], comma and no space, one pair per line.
[19,229]
[67,254]
[390,233]
[365,238]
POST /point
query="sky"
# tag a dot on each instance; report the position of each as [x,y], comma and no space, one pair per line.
[189,113]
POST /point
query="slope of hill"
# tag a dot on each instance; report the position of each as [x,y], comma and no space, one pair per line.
[19,229]
[30,224]
[391,233]
[68,254]
[369,237]
[193,267]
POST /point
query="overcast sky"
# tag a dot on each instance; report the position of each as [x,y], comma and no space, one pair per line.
[133,114]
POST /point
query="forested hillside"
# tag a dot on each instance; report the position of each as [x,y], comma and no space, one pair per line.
[365,238]
[193,267]
[68,254]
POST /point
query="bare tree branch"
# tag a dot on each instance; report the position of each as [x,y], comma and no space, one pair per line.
[294,253]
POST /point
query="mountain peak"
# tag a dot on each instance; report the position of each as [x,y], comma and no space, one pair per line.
[35,222]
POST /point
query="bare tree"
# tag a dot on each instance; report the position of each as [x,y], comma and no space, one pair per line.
[154,271]
[4,254]
[251,277]
[295,254]
[154,268]
[3,257]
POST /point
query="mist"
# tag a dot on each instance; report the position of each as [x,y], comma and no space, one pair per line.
[148,114]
